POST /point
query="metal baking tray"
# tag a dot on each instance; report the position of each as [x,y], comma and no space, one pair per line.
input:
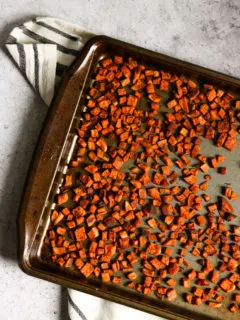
[52,154]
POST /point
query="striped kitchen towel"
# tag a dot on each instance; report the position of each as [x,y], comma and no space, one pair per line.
[43,48]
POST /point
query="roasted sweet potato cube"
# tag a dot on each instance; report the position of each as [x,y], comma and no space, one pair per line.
[204,167]
[157,178]
[61,230]
[223,170]
[188,298]
[196,301]
[195,151]
[87,270]
[91,168]
[78,211]
[230,143]
[171,282]
[92,156]
[198,292]
[190,179]
[186,283]
[233,307]
[68,180]
[203,186]
[132,276]
[154,97]
[221,139]
[118,59]
[132,258]
[150,88]
[227,286]
[59,250]
[142,193]
[102,144]
[154,193]
[171,294]
[171,104]
[157,264]
[232,264]
[154,249]
[105,277]
[80,234]
[214,276]
[164,85]
[118,162]
[214,304]
[236,297]
[211,95]
[106,62]
[192,274]
[173,268]
[225,206]
[62,198]
[152,223]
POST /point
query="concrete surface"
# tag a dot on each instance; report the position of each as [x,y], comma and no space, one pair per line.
[205,32]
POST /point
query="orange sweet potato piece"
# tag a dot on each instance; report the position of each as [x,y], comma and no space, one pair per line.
[211,95]
[173,268]
[59,250]
[154,97]
[192,274]
[186,282]
[234,308]
[62,198]
[225,206]
[204,186]
[105,277]
[80,234]
[226,285]
[171,104]
[132,276]
[214,276]
[230,143]
[171,294]
[204,167]
[201,220]
[188,298]
[118,162]
[171,282]
[214,304]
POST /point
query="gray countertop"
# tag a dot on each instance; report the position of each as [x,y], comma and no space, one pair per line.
[205,32]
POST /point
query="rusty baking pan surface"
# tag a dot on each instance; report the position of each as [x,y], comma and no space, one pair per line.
[54,158]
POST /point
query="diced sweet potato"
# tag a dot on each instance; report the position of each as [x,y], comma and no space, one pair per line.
[214,304]
[226,285]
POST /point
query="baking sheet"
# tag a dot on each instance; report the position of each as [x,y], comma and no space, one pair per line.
[51,160]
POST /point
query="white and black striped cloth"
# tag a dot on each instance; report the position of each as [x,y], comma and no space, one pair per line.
[43,48]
